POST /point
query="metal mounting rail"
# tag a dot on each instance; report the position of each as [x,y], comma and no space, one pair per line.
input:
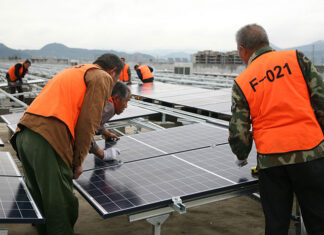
[14,99]
[179,113]
[158,215]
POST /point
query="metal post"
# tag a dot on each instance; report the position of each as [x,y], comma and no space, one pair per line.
[300,227]
[14,98]
[157,222]
[163,118]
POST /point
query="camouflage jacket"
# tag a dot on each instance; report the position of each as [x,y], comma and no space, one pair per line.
[240,137]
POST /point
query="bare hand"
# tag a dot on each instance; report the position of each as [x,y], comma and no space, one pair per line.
[77,172]
[100,153]
[109,136]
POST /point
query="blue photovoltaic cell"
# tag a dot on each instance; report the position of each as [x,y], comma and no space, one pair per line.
[188,96]
[221,160]
[147,183]
[184,138]
[130,150]
[16,204]
[150,182]
[161,142]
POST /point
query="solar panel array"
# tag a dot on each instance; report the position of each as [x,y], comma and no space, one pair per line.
[162,142]
[16,203]
[216,101]
[163,164]
[130,112]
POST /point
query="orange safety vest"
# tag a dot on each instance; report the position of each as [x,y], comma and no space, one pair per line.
[145,71]
[62,97]
[282,116]
[124,74]
[12,74]
[112,101]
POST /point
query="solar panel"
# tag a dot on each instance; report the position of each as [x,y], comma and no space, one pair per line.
[162,142]
[12,127]
[183,138]
[130,112]
[154,88]
[220,159]
[7,165]
[130,150]
[16,204]
[224,107]
[153,182]
[198,98]
[28,82]
[133,112]
[11,118]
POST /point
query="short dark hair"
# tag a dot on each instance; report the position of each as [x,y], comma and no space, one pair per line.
[27,61]
[136,65]
[122,58]
[109,61]
[121,90]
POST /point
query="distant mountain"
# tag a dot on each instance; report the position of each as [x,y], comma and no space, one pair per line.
[275,47]
[315,49]
[61,51]
[6,52]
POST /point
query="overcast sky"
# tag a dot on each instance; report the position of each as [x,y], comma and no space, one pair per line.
[142,25]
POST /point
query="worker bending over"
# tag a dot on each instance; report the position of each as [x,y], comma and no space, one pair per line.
[53,137]
[144,73]
[15,75]
[120,96]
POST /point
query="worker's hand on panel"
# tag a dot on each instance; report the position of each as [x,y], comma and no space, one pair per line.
[77,172]
[241,163]
[111,154]
[111,136]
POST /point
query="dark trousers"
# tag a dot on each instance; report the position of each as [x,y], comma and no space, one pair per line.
[49,181]
[13,89]
[277,188]
[147,80]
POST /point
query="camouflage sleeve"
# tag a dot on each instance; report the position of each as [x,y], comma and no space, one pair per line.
[240,137]
[315,87]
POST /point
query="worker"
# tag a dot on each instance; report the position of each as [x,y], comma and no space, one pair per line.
[53,137]
[15,75]
[125,75]
[282,95]
[117,103]
[144,73]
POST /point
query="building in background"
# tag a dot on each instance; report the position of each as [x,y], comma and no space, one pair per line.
[216,57]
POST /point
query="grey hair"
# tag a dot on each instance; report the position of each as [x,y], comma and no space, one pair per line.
[121,90]
[252,36]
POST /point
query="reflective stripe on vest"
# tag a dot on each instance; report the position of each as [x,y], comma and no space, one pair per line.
[145,71]
[282,115]
[62,97]
[124,74]
[12,74]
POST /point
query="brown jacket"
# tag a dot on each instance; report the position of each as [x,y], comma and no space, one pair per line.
[99,86]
